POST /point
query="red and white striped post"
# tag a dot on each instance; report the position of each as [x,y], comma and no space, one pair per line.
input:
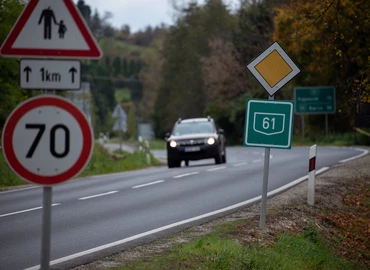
[311,175]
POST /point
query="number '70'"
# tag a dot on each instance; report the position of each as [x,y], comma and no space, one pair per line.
[52,148]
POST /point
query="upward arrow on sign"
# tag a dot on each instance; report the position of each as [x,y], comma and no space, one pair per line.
[50,28]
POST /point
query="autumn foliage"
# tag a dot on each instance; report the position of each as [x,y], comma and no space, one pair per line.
[330,40]
[349,226]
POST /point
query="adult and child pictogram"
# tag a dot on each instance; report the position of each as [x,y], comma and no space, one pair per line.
[47,17]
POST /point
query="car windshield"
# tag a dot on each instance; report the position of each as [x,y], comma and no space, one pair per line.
[193,128]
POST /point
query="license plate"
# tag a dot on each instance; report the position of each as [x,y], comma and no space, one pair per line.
[192,149]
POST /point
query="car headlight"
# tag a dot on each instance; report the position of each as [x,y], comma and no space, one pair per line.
[211,141]
[173,143]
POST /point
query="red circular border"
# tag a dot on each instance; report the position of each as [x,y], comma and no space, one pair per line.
[19,112]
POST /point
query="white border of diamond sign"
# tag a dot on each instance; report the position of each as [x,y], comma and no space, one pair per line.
[272,90]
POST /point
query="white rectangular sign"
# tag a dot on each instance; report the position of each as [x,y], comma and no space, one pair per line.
[50,74]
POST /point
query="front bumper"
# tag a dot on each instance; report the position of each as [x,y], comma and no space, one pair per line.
[192,152]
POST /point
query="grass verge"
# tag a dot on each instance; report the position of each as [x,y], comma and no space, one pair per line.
[214,251]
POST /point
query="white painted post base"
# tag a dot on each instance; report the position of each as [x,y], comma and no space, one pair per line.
[311,175]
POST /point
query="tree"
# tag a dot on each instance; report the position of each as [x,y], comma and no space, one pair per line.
[100,26]
[117,66]
[103,95]
[85,10]
[132,122]
[224,82]
[124,33]
[125,69]
[150,77]
[253,34]
[132,68]
[330,39]
[181,90]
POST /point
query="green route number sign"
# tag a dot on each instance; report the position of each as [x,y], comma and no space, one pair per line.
[268,123]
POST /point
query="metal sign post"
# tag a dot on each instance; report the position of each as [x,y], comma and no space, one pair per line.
[46,228]
[267,126]
[47,200]
[120,124]
[266,168]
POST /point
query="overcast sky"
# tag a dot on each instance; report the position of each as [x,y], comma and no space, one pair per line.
[138,14]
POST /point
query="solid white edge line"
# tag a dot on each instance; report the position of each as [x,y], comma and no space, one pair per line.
[216,169]
[364,153]
[149,184]
[25,211]
[170,226]
[186,174]
[97,195]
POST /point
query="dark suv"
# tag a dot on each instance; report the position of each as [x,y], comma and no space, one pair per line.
[194,139]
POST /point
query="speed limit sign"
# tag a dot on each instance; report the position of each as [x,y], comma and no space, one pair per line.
[47,140]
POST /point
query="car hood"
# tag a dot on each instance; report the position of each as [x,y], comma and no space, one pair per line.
[192,136]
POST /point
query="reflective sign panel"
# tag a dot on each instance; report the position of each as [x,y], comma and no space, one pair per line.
[273,68]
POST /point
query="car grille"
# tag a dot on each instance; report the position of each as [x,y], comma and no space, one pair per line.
[192,142]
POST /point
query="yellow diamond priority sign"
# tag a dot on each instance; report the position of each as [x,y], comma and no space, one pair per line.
[273,68]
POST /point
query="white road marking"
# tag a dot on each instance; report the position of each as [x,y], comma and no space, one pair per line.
[25,211]
[364,153]
[186,174]
[257,160]
[149,184]
[98,195]
[216,169]
[240,164]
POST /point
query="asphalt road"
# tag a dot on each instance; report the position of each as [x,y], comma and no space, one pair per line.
[97,216]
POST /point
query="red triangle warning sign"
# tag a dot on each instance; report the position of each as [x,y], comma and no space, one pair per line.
[51,28]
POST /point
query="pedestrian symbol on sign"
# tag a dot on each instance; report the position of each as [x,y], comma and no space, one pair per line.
[47,17]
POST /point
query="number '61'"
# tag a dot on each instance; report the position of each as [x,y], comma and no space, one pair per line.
[266,123]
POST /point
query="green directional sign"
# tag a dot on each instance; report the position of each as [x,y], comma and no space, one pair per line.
[268,123]
[314,100]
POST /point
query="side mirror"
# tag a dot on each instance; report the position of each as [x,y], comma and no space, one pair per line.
[221,131]
[167,135]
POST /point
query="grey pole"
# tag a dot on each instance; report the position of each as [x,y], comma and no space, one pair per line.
[46,221]
[46,228]
[120,130]
[302,117]
[265,184]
